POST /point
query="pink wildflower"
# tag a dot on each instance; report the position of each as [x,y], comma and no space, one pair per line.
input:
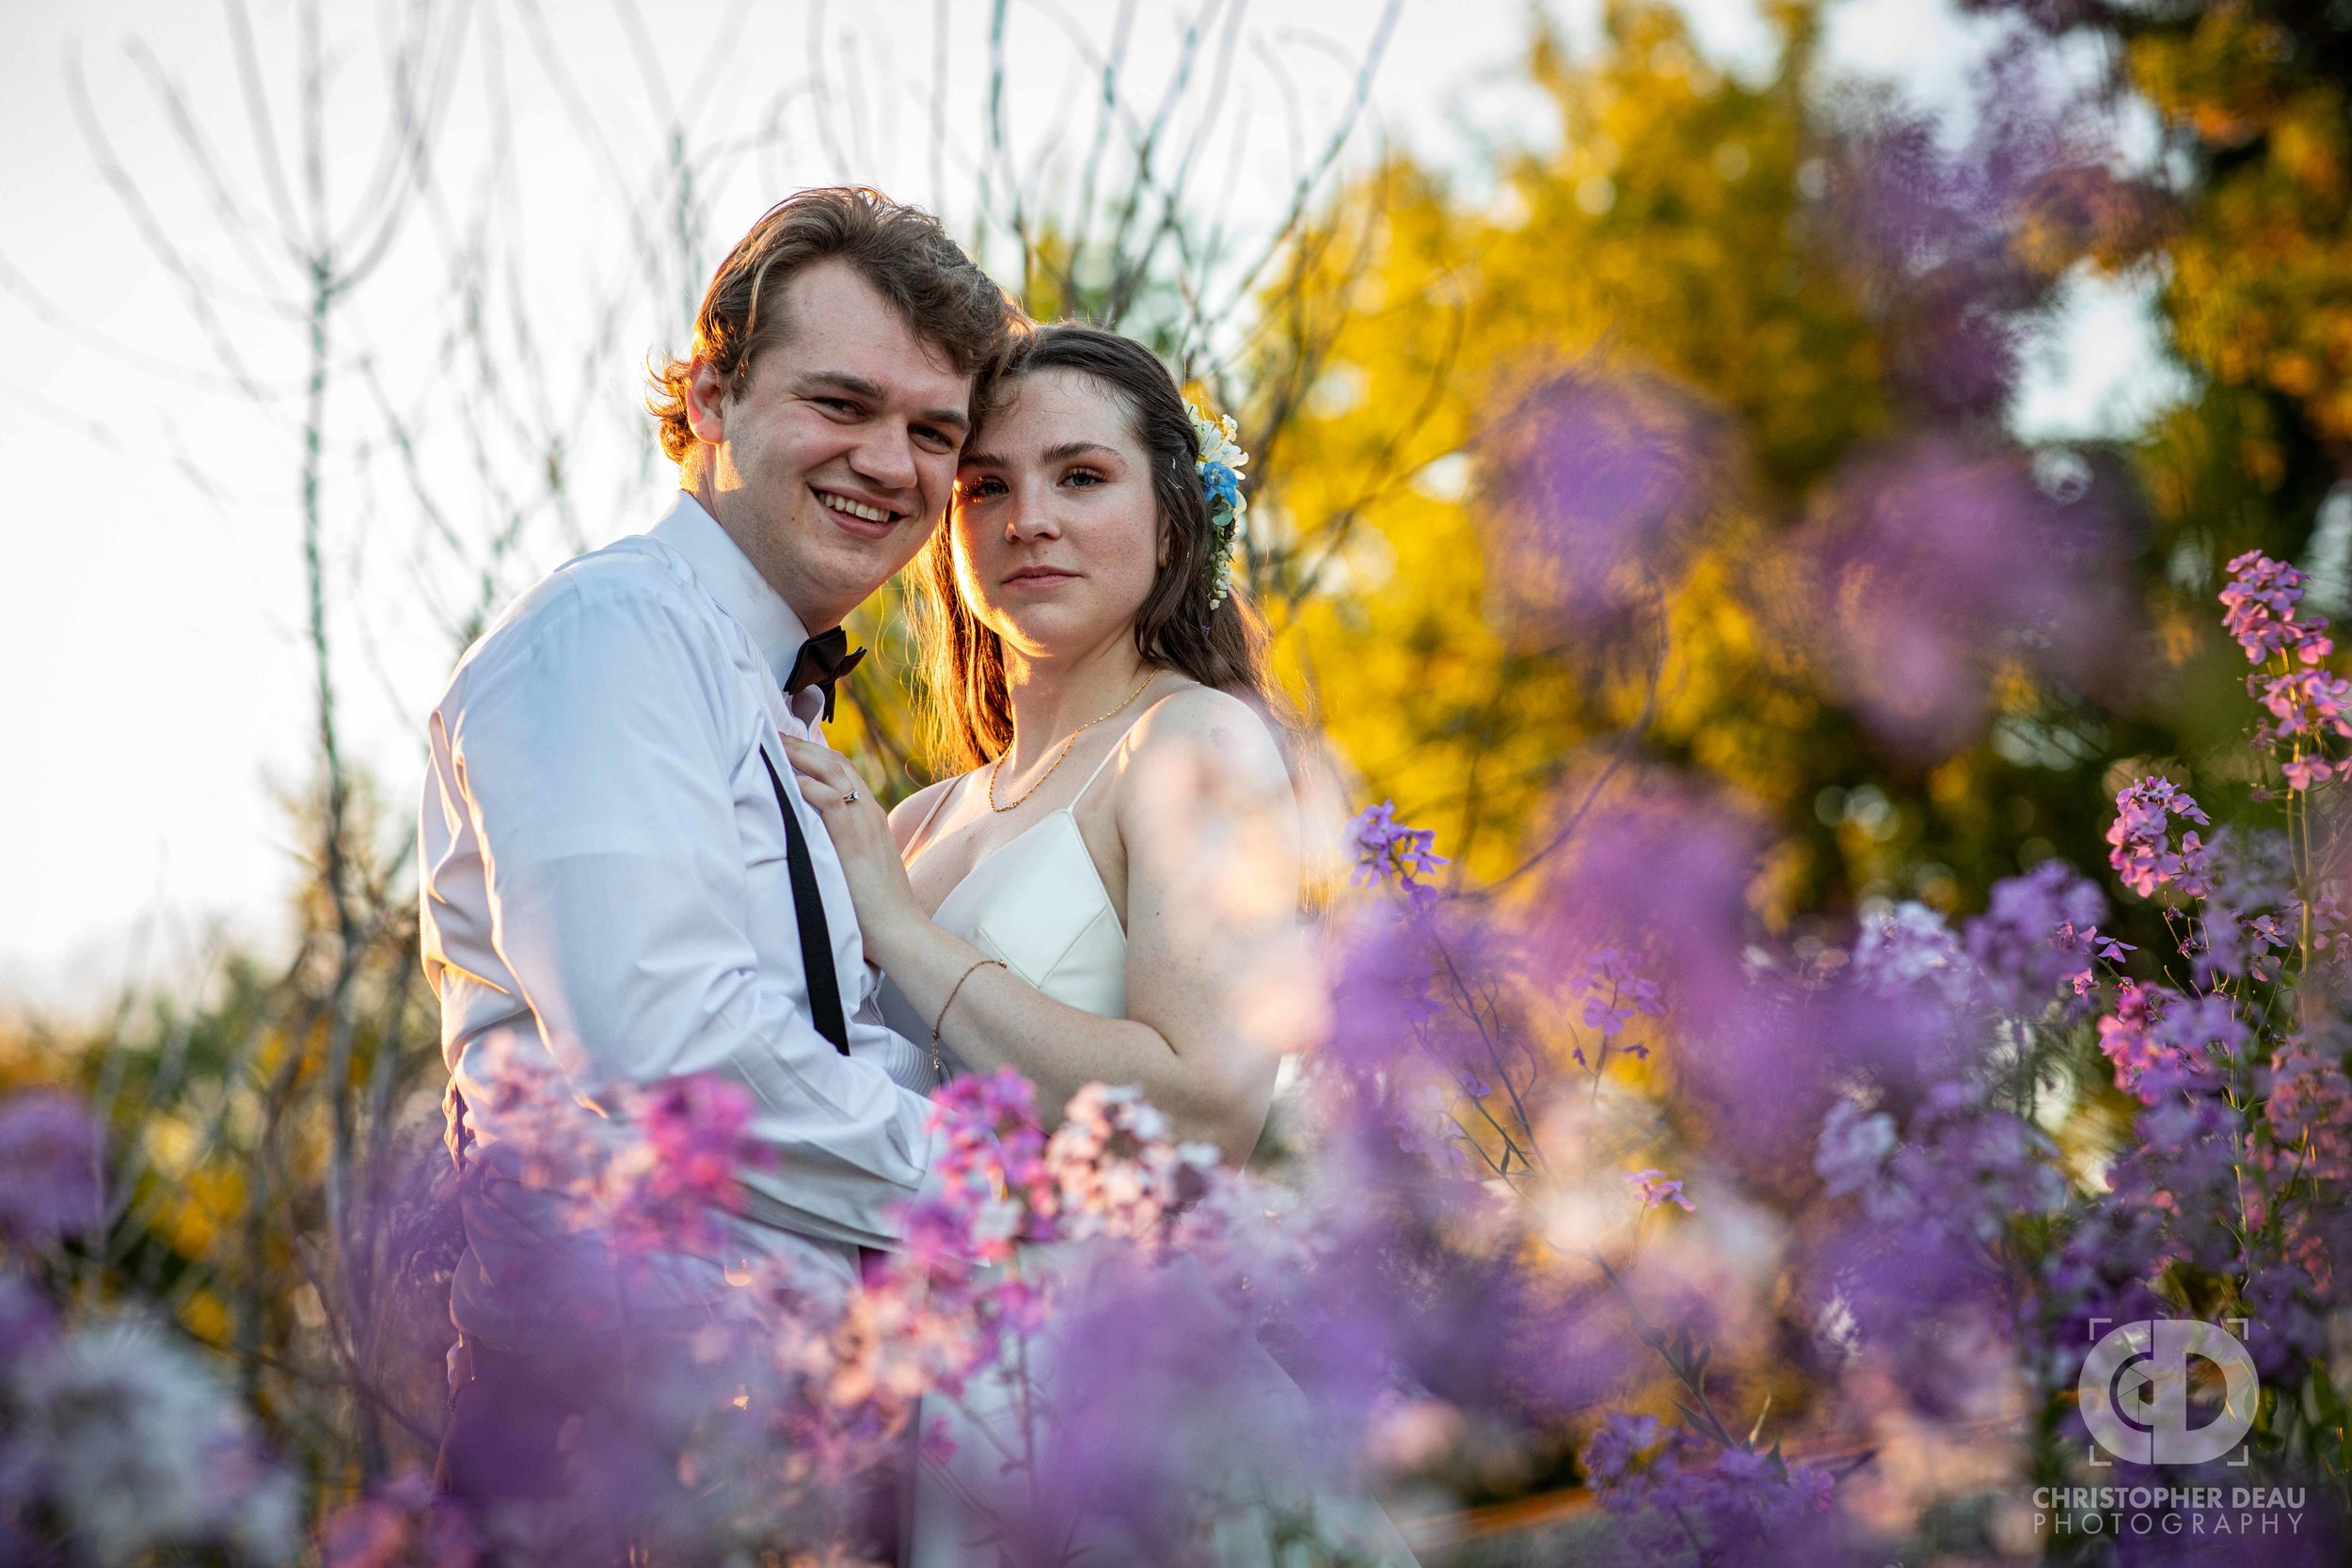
[2310,1112]
[671,1188]
[2161,1041]
[1117,1166]
[2142,854]
[2258,609]
[996,1190]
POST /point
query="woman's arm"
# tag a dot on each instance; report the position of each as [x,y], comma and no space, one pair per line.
[1205,817]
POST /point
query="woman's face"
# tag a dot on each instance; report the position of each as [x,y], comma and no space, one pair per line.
[1055,528]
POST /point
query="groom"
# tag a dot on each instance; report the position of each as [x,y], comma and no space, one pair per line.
[620,886]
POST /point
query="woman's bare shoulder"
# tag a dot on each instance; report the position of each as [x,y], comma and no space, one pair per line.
[907,817]
[1201,727]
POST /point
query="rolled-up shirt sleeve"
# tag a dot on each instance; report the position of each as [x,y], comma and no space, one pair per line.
[599,772]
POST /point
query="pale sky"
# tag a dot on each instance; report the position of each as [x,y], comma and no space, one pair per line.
[157,701]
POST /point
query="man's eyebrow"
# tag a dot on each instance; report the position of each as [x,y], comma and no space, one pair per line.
[839,381]
[858,387]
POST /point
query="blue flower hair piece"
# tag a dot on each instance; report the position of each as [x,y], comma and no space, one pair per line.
[1219,466]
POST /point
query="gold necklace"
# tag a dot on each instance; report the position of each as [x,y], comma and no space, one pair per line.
[998,765]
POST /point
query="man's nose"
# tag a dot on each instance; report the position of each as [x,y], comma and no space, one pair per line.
[887,458]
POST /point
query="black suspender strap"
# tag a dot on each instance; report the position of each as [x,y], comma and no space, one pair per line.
[808,912]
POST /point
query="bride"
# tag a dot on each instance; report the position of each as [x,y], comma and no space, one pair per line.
[1050,909]
[1109,892]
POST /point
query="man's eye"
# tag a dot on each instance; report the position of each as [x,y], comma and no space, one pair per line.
[938,440]
[837,405]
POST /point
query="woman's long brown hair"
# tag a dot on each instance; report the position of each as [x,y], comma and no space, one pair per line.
[968,716]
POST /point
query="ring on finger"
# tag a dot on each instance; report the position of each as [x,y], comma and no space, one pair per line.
[852,798]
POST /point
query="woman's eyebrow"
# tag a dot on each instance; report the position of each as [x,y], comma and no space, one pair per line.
[1060,453]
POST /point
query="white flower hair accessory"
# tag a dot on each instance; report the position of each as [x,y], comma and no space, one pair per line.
[1219,466]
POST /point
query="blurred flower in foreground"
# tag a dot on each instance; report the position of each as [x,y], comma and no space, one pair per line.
[1935,566]
[400,1525]
[674,1184]
[133,1447]
[1960,245]
[1655,1187]
[50,1150]
[1595,482]
[1118,1168]
[1681,1499]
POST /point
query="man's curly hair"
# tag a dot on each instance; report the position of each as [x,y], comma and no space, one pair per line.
[902,250]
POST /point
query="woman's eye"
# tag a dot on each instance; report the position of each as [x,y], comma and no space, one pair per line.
[1084,477]
[977,490]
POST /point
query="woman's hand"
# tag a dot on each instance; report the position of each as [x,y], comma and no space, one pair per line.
[886,910]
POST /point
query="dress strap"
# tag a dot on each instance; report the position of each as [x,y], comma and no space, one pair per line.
[1116,746]
[923,828]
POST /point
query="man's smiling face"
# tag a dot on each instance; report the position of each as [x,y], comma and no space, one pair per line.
[831,469]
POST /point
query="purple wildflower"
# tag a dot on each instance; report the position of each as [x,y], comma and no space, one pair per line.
[1910,945]
[1682,1501]
[1386,849]
[2038,938]
[2130,1037]
[1614,989]
[1655,1188]
[2307,706]
[997,1189]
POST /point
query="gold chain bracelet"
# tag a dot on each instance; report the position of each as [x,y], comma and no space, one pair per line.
[938,1069]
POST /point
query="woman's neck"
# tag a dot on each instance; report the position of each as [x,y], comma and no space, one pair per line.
[1051,697]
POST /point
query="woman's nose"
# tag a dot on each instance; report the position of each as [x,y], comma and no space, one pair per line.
[1031,514]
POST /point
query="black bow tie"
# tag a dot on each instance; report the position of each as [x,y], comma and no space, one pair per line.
[825,659]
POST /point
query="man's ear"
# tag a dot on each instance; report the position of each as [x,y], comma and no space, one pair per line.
[705,401]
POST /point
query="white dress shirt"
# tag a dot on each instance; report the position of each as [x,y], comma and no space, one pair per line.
[606,896]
